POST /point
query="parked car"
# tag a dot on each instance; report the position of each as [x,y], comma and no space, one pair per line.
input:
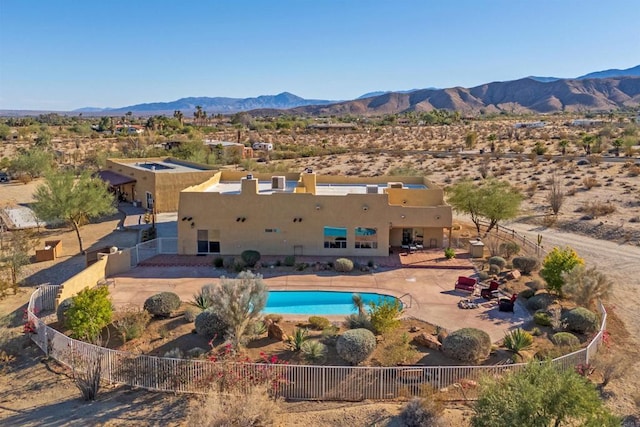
[4,177]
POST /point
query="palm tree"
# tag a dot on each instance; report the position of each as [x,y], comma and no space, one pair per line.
[178,115]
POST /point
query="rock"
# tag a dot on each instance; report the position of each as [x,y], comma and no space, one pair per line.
[442,335]
[513,275]
[414,329]
[276,332]
[427,340]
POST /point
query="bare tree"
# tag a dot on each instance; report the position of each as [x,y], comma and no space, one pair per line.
[556,194]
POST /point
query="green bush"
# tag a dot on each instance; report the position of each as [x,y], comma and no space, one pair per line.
[580,320]
[422,412]
[250,257]
[468,345]
[509,249]
[89,313]
[449,253]
[357,321]
[542,318]
[209,324]
[384,315]
[343,265]
[218,262]
[517,340]
[289,261]
[397,350]
[131,322]
[330,335]
[162,304]
[299,337]
[498,260]
[565,339]
[525,264]
[319,323]
[527,293]
[61,311]
[355,345]
[556,263]
[482,275]
[494,270]
[313,351]
[238,264]
[540,301]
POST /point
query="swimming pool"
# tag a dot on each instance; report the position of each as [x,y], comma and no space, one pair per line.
[317,302]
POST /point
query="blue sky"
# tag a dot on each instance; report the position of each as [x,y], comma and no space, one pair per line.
[67,54]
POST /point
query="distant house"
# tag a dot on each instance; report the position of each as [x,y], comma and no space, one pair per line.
[230,148]
[333,127]
[529,125]
[586,122]
[130,129]
[263,146]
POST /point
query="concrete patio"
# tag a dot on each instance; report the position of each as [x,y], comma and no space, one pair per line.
[427,293]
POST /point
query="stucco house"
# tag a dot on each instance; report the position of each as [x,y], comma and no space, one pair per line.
[309,214]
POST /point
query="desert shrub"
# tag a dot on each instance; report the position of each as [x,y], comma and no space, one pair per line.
[250,257]
[174,353]
[357,321]
[527,293]
[584,286]
[355,345]
[509,249]
[468,345]
[238,264]
[540,301]
[62,310]
[536,332]
[343,265]
[397,350]
[483,275]
[319,323]
[549,353]
[542,318]
[218,262]
[330,335]
[273,317]
[525,264]
[289,260]
[190,314]
[252,409]
[597,209]
[131,322]
[557,262]
[494,269]
[580,320]
[589,182]
[565,339]
[209,324]
[162,304]
[89,313]
[517,340]
[203,299]
[313,351]
[257,329]
[449,253]
[498,260]
[299,337]
[422,412]
[384,315]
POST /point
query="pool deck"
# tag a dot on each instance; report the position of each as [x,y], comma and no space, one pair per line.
[427,293]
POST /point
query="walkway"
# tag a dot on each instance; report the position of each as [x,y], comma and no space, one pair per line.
[432,296]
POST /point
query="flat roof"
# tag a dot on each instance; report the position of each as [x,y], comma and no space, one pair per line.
[322,189]
[163,166]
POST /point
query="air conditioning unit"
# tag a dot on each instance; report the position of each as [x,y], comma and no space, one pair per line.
[277,183]
[395,185]
[372,189]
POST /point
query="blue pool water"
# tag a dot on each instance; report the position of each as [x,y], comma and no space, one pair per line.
[316,302]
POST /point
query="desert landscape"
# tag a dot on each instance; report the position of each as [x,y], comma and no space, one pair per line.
[599,218]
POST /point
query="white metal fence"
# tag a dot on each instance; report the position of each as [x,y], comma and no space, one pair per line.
[290,381]
[151,248]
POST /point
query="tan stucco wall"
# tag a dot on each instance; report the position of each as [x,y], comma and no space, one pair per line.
[117,262]
[165,186]
[87,278]
[218,213]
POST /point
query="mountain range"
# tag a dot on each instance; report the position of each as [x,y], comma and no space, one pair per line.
[601,90]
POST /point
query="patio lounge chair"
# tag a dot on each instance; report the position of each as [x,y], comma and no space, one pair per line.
[491,291]
[466,284]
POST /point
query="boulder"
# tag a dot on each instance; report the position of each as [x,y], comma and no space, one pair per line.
[427,340]
[513,275]
[276,332]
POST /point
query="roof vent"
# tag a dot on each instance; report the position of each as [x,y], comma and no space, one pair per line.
[372,189]
[395,185]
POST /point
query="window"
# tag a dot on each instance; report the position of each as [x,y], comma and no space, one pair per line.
[366,238]
[271,230]
[335,238]
[208,241]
